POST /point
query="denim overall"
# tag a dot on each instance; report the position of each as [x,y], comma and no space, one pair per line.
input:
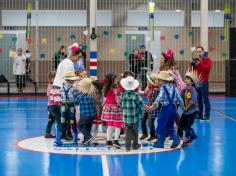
[166,122]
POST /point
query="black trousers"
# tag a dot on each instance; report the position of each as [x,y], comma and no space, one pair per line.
[20,81]
[131,133]
[186,123]
[151,120]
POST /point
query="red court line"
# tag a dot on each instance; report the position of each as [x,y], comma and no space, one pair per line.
[16,144]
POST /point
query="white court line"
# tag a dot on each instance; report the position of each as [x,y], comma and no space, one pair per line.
[105,169]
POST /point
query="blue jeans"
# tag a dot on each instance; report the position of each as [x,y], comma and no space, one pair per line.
[203,98]
[85,126]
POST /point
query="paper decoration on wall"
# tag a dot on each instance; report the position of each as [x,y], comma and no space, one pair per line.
[211,49]
[148,39]
[177,36]
[1,36]
[58,39]
[105,33]
[119,36]
[181,52]
[190,33]
[29,8]
[225,55]
[112,51]
[72,36]
[162,38]
[14,39]
[29,40]
[44,40]
[1,50]
[42,56]
[222,37]
[85,32]
[133,37]
[126,54]
[12,54]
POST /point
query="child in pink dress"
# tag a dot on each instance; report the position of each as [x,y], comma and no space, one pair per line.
[111,112]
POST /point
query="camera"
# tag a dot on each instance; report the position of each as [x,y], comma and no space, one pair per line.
[194,61]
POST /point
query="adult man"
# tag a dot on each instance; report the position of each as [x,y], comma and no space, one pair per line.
[145,64]
[202,65]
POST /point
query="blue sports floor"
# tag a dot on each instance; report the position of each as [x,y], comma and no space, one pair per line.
[212,154]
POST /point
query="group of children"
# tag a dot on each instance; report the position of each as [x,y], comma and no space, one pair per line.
[120,106]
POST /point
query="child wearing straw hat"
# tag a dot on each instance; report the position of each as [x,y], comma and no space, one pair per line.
[151,91]
[67,107]
[189,95]
[168,98]
[85,99]
[131,103]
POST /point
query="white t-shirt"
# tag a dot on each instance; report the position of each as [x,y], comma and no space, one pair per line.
[19,65]
[65,66]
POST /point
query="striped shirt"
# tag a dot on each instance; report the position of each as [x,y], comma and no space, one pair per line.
[131,104]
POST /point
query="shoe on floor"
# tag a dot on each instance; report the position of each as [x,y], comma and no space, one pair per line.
[109,144]
[127,149]
[48,135]
[151,138]
[136,147]
[143,137]
[58,143]
[88,140]
[174,144]
[116,144]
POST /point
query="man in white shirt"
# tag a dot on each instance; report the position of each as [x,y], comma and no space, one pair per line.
[67,65]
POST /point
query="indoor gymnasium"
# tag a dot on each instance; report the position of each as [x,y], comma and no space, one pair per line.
[117,87]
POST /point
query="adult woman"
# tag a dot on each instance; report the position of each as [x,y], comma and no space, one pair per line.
[19,69]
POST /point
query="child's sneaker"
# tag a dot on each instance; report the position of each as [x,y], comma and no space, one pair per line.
[109,144]
[143,137]
[58,143]
[186,140]
[137,146]
[88,141]
[48,135]
[116,144]
[127,149]
[174,144]
[151,138]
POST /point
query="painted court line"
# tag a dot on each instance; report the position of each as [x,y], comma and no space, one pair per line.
[224,115]
[105,169]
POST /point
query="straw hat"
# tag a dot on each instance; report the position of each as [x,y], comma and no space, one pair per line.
[129,83]
[193,75]
[152,78]
[71,76]
[85,86]
[166,76]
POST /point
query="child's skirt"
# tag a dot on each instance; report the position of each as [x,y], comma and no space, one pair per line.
[112,114]
[97,120]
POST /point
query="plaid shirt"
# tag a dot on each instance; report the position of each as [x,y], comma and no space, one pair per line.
[162,97]
[131,104]
[152,94]
[86,104]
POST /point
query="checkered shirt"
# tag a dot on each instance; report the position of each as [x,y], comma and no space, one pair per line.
[86,104]
[152,94]
[131,104]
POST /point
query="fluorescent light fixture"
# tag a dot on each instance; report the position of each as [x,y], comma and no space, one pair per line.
[178,10]
[218,11]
